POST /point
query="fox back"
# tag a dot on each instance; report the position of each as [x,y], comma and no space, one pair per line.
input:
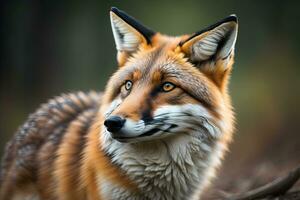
[159,130]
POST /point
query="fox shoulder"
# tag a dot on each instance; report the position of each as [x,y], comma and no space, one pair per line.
[30,156]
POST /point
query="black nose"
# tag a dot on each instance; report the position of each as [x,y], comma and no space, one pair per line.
[114,123]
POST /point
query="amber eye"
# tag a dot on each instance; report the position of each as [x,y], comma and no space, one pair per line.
[167,86]
[128,85]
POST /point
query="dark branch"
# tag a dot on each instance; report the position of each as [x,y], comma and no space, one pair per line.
[276,188]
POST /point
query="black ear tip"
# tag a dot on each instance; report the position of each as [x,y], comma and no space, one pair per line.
[233,18]
[146,32]
[114,9]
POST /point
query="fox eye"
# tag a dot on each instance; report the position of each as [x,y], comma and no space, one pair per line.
[128,85]
[167,87]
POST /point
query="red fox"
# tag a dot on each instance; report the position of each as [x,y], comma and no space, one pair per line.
[159,131]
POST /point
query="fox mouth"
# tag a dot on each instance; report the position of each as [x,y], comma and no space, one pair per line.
[123,136]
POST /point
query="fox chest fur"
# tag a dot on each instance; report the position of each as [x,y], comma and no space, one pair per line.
[170,169]
[159,130]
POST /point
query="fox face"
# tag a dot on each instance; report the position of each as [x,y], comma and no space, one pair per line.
[168,85]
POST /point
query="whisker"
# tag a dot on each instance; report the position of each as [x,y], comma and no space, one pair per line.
[192,122]
[162,114]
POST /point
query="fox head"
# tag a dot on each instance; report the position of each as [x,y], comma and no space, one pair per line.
[167,86]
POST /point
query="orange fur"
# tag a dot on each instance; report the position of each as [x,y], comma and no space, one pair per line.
[96,162]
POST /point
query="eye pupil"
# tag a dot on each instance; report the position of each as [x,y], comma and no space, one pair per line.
[128,85]
[168,87]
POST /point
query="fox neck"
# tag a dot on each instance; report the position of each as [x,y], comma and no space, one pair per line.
[169,168]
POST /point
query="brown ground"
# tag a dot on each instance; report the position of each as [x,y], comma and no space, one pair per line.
[244,172]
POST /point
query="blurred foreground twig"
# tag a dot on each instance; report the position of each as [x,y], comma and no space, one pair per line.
[276,189]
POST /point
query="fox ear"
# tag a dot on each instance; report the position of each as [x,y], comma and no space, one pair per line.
[215,43]
[128,33]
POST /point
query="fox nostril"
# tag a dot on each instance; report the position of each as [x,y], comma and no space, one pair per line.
[114,123]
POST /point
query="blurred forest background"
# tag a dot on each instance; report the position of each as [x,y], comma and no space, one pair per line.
[51,47]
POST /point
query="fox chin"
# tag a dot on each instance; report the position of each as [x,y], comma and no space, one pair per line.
[159,130]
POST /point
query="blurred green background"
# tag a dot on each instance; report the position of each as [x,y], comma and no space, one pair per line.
[51,47]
